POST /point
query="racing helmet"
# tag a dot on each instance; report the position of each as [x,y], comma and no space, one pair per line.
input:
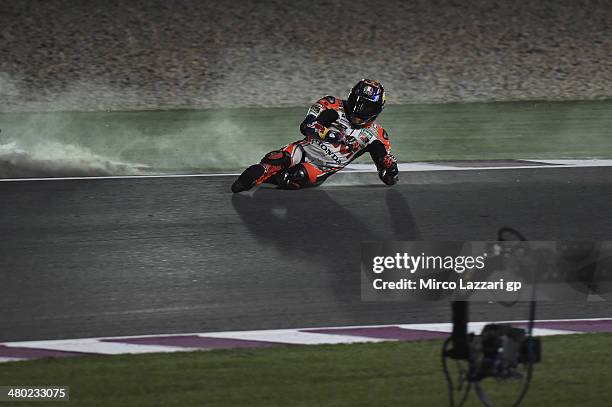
[365,102]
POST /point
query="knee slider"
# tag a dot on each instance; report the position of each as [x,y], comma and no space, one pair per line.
[295,177]
[277,157]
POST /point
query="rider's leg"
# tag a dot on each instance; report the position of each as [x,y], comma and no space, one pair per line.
[270,165]
[301,176]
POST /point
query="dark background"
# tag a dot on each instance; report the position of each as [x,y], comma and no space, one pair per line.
[98,54]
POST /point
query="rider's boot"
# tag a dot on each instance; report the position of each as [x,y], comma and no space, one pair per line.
[248,178]
[257,174]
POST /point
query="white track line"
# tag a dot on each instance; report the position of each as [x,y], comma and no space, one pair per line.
[476,327]
[296,336]
[120,177]
[292,336]
[5,359]
[359,168]
[280,336]
[96,346]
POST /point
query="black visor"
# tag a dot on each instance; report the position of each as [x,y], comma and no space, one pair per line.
[366,109]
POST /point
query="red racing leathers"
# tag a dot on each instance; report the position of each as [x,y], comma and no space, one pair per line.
[330,143]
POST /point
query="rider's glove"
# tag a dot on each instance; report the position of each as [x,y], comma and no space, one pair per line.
[327,117]
[388,171]
[320,126]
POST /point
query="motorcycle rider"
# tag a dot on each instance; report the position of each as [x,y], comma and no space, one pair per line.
[335,133]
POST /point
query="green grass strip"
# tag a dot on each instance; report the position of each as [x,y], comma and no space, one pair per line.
[576,370]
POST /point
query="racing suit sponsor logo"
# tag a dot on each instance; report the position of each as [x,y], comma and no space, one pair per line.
[328,151]
[351,144]
[315,109]
[369,133]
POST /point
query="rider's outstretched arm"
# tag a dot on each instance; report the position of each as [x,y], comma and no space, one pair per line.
[386,164]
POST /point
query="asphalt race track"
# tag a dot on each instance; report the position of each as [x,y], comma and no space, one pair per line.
[108,257]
